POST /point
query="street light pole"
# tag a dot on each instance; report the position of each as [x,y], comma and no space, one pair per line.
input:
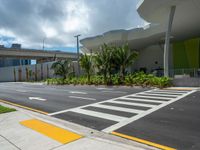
[77,40]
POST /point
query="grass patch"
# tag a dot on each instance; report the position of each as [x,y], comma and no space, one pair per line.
[5,109]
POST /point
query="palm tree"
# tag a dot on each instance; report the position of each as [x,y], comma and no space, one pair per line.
[86,64]
[124,57]
[103,60]
[62,68]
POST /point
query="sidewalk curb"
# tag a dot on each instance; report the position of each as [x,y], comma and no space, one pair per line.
[87,132]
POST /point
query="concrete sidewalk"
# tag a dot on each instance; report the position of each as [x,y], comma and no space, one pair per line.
[14,136]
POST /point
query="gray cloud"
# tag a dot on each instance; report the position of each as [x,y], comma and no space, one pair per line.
[29,21]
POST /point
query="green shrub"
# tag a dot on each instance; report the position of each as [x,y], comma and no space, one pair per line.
[55,81]
[116,80]
[136,79]
[128,80]
[97,80]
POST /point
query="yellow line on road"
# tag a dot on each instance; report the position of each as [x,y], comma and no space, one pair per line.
[143,141]
[25,107]
[59,134]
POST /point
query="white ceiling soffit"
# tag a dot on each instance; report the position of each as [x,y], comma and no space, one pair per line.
[186,19]
[185,25]
[122,36]
[156,11]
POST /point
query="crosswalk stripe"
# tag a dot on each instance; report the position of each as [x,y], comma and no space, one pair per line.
[133,104]
[136,117]
[172,91]
[136,105]
[167,93]
[161,95]
[99,115]
[164,98]
[136,111]
[144,100]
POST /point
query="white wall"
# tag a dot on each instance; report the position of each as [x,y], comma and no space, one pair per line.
[35,72]
[147,58]
[149,55]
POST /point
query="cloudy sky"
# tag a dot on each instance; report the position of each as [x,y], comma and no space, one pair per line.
[30,21]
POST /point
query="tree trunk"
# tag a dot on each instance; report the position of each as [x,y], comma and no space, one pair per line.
[110,80]
[64,77]
[88,76]
[122,73]
[105,77]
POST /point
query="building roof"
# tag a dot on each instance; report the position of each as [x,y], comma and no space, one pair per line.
[185,25]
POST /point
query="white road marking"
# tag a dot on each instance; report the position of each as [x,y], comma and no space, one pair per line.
[150,94]
[113,92]
[142,96]
[118,108]
[144,100]
[172,91]
[100,115]
[77,92]
[86,98]
[22,91]
[134,118]
[133,104]
[167,93]
[66,110]
[104,88]
[37,98]
[122,121]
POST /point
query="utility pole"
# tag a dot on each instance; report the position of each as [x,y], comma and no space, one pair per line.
[78,65]
[43,44]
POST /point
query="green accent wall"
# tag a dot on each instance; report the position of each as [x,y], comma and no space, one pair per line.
[186,54]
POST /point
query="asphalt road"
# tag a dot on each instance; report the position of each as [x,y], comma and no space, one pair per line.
[176,125]
[167,117]
[59,97]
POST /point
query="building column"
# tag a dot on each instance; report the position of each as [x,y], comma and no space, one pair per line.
[167,41]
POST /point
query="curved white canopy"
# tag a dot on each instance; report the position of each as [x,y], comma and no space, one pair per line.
[186,25]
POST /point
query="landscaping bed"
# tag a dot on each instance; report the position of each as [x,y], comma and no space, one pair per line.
[108,66]
[136,79]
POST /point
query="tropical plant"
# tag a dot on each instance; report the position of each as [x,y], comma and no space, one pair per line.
[62,68]
[124,58]
[103,60]
[136,79]
[86,64]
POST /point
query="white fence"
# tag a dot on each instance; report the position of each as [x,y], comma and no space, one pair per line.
[26,73]
[36,72]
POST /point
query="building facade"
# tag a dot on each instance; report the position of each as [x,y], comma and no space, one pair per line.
[169,44]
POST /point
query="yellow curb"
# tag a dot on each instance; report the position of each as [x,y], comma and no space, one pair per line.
[25,107]
[59,134]
[143,141]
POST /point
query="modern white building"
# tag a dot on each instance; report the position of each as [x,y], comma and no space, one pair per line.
[171,41]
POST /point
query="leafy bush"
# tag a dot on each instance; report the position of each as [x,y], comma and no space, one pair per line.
[136,79]
[116,80]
